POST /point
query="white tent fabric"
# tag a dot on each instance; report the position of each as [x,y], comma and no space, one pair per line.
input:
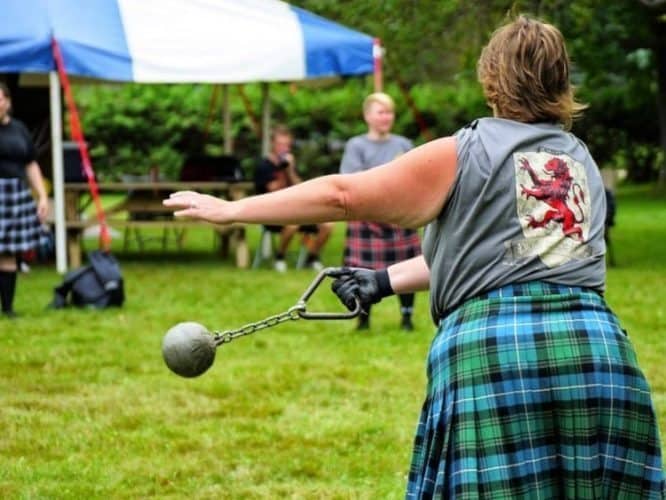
[172,41]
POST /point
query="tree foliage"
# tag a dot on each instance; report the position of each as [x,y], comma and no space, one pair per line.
[613,46]
[430,68]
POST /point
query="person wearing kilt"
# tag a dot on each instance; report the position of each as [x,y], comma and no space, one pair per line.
[20,218]
[533,386]
[534,390]
[377,245]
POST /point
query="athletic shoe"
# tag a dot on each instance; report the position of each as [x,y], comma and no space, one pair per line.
[406,324]
[316,265]
[280,266]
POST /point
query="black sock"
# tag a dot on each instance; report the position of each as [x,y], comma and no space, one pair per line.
[406,304]
[364,317]
[7,289]
[279,256]
[312,257]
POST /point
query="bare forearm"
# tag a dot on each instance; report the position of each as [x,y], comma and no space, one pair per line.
[410,275]
[318,200]
[36,180]
[324,199]
[409,192]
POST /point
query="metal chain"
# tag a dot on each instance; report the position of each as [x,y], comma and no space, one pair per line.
[296,312]
[291,315]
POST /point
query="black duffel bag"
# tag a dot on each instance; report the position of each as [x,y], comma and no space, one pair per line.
[98,284]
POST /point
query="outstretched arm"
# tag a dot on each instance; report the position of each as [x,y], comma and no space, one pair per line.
[409,191]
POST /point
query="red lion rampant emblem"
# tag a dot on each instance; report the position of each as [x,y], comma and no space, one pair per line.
[554,191]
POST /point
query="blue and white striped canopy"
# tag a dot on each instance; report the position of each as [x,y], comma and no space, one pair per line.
[222,41]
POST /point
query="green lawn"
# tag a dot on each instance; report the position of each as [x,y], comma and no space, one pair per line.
[307,409]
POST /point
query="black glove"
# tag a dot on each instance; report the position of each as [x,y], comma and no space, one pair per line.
[368,286]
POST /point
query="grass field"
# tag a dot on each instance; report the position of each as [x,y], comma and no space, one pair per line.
[306,409]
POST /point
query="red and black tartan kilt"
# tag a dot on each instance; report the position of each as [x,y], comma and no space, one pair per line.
[20,229]
[376,246]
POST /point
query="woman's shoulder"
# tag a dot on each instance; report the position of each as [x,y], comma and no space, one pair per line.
[498,128]
[485,123]
[15,122]
[17,126]
[471,129]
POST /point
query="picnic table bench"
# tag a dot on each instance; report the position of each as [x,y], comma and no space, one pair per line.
[141,207]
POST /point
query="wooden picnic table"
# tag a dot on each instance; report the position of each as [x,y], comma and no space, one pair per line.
[141,207]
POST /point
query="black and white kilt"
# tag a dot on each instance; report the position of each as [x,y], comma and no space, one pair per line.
[20,229]
[376,246]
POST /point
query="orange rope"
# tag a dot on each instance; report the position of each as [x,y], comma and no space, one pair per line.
[423,126]
[211,111]
[250,112]
[77,136]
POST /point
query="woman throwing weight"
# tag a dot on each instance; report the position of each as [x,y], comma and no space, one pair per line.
[534,390]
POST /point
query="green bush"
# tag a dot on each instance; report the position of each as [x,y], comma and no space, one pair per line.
[134,127]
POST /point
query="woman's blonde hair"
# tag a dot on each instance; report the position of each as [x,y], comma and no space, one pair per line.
[524,72]
[379,97]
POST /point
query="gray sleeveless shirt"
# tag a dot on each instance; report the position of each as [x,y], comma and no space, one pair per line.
[527,204]
[362,153]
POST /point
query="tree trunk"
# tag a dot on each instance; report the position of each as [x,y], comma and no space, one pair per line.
[659,30]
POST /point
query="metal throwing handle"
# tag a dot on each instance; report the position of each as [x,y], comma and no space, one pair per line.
[295,312]
[303,312]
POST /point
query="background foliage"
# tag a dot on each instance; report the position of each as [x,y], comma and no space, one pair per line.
[431,51]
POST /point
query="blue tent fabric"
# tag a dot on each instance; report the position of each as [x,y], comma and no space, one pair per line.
[172,41]
[92,38]
[332,49]
[25,38]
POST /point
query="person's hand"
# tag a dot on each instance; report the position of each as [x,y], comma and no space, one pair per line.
[366,285]
[289,158]
[285,161]
[42,209]
[198,206]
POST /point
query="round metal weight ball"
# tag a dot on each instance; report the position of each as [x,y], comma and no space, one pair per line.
[188,349]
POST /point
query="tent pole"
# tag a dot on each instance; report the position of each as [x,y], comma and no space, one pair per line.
[58,173]
[226,117]
[265,119]
[377,56]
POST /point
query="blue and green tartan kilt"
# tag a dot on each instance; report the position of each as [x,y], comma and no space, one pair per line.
[534,391]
